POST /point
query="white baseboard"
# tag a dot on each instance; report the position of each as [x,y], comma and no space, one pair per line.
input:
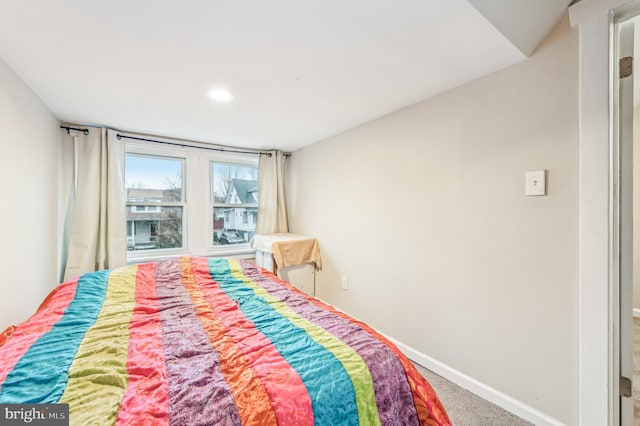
[636,312]
[492,395]
[502,400]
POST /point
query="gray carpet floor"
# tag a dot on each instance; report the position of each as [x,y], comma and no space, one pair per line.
[468,409]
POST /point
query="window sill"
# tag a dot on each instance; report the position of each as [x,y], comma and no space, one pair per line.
[238,253]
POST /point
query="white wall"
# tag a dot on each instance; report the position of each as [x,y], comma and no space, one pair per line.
[483,278]
[29,158]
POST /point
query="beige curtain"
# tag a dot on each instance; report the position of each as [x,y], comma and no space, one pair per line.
[272,208]
[98,231]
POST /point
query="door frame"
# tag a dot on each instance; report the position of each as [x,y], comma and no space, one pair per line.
[622,210]
[598,284]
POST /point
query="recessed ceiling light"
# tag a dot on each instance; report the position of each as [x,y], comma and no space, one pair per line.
[222,95]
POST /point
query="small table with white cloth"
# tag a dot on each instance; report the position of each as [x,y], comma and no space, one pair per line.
[292,257]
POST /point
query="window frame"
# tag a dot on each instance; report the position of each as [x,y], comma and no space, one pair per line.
[197,191]
[230,160]
[142,150]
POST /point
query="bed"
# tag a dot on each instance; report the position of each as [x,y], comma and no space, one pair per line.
[207,341]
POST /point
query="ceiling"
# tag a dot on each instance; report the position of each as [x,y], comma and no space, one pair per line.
[300,70]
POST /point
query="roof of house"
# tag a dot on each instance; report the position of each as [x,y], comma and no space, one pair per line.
[247,190]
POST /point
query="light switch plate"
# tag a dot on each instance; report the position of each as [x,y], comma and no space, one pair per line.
[535,182]
[345,283]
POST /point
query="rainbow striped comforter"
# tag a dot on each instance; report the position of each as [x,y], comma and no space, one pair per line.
[198,341]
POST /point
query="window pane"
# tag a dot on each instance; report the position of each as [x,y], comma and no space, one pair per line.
[153,179]
[234,184]
[230,227]
[153,228]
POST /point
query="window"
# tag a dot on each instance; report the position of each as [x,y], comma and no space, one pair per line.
[235,199]
[141,209]
[184,200]
[155,202]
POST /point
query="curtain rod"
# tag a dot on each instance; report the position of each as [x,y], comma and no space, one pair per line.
[234,151]
[67,128]
[268,154]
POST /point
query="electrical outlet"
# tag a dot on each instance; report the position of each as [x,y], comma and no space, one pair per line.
[345,283]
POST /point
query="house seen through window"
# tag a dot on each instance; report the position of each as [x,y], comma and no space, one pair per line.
[235,202]
[155,202]
[189,200]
